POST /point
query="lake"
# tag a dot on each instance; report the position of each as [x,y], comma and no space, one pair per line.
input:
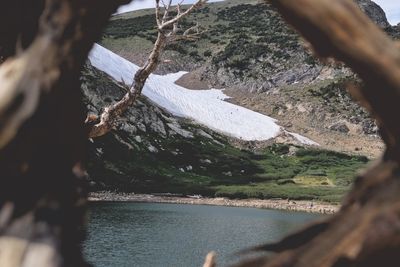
[172,235]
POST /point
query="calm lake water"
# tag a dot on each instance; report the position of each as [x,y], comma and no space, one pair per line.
[169,235]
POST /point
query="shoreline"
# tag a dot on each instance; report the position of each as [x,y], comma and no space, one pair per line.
[275,204]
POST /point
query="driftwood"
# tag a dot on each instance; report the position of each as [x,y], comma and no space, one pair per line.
[44,45]
[210,260]
[366,231]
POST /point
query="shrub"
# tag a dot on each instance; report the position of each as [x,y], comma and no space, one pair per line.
[193,54]
[207,53]
[177,47]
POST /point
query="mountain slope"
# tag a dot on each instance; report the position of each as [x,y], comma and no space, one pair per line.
[247,49]
[242,41]
[375,12]
[206,107]
[152,151]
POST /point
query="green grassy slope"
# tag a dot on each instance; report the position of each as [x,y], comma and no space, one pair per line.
[236,35]
[204,167]
[251,41]
[206,163]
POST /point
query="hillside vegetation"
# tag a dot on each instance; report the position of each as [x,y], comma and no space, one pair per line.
[153,152]
[240,41]
[246,48]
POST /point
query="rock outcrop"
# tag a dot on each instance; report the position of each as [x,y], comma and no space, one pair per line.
[375,12]
[150,150]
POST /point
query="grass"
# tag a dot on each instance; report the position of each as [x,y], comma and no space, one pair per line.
[308,174]
[212,167]
[124,44]
[214,170]
[294,192]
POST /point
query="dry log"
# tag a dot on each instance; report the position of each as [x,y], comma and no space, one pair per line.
[42,136]
[366,231]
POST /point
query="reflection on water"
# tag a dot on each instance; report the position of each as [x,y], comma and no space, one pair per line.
[169,235]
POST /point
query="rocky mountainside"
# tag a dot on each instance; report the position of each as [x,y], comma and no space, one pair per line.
[375,12]
[246,48]
[152,151]
[244,44]
[249,50]
[204,107]
[149,147]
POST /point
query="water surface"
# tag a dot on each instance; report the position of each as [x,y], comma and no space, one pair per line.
[172,235]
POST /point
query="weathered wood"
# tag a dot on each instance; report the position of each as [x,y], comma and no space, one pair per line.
[366,231]
[100,126]
[42,136]
[210,260]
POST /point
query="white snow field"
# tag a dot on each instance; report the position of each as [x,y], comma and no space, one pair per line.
[205,107]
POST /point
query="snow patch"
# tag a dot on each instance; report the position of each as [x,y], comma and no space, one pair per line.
[206,107]
[303,140]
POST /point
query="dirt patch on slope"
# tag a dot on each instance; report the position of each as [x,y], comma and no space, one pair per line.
[311,118]
[192,80]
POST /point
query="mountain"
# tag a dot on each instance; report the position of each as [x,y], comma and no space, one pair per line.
[171,141]
[247,49]
[205,107]
[375,12]
[153,151]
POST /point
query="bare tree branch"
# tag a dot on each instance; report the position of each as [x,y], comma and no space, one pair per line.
[180,15]
[166,11]
[158,14]
[165,35]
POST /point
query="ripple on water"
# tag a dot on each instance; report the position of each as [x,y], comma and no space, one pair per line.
[173,235]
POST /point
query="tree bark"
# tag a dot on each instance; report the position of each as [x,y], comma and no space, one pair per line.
[42,135]
[114,112]
[98,127]
[366,231]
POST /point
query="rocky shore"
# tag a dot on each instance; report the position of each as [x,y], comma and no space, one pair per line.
[279,204]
